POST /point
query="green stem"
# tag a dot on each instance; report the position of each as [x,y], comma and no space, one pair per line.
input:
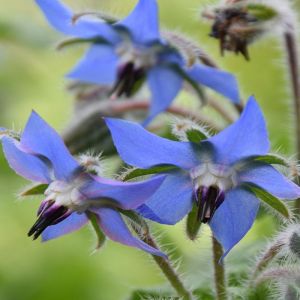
[293,64]
[163,263]
[169,271]
[220,282]
[142,230]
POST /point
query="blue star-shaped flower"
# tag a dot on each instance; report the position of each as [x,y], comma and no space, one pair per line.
[41,156]
[213,173]
[129,52]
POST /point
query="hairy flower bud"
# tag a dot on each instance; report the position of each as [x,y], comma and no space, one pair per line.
[181,127]
[285,245]
[92,164]
[285,282]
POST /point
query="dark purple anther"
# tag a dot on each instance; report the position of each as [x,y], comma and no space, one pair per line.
[48,214]
[209,199]
[128,77]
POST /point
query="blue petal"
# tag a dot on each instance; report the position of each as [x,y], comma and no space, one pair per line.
[39,138]
[167,207]
[164,84]
[128,195]
[142,22]
[246,137]
[270,180]
[98,66]
[24,164]
[73,222]
[142,149]
[60,17]
[234,218]
[220,81]
[115,228]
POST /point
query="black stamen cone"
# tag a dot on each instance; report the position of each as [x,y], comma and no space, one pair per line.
[210,198]
[47,218]
[128,77]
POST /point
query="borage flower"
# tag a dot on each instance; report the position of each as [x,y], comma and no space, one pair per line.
[127,53]
[215,174]
[72,193]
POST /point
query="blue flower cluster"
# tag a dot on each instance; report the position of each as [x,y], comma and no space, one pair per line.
[213,174]
[132,51]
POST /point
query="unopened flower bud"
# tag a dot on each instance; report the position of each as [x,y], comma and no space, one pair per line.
[92,164]
[181,127]
[286,244]
[294,244]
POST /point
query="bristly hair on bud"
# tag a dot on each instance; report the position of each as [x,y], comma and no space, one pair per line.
[92,163]
[284,282]
[181,127]
[188,48]
[10,133]
[239,23]
[285,247]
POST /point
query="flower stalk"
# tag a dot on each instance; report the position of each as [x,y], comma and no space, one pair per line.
[141,228]
[220,281]
[169,271]
[293,65]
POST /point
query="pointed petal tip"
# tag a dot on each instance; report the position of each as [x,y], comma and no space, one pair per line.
[246,137]
[220,81]
[142,22]
[229,224]
[23,163]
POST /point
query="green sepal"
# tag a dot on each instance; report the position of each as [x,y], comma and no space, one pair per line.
[261,12]
[101,238]
[35,190]
[78,41]
[195,135]
[140,225]
[193,223]
[273,159]
[134,173]
[269,199]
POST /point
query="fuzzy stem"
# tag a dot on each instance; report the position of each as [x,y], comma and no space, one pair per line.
[220,282]
[267,257]
[176,110]
[141,228]
[293,64]
[169,271]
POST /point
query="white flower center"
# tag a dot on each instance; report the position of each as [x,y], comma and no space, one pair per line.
[210,174]
[66,194]
[141,57]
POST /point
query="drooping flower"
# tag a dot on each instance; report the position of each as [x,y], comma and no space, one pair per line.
[237,24]
[72,194]
[127,53]
[215,174]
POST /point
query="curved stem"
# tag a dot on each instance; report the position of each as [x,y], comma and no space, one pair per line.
[293,64]
[169,271]
[221,109]
[220,282]
[124,106]
[142,230]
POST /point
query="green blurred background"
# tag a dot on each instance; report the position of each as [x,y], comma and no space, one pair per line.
[31,77]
